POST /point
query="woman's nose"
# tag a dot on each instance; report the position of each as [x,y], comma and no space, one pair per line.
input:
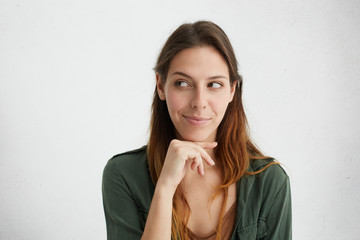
[198,99]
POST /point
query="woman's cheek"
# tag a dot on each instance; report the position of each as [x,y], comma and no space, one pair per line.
[219,105]
[175,102]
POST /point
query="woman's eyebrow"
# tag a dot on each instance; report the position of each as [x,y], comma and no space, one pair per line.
[182,74]
[217,76]
[210,78]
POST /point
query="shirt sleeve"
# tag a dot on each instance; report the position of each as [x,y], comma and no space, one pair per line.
[121,212]
[279,219]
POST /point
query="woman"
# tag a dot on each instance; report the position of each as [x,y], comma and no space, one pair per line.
[200,176]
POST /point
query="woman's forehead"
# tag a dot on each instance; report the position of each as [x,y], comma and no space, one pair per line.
[203,61]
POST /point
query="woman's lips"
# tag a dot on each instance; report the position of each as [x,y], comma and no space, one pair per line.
[197,121]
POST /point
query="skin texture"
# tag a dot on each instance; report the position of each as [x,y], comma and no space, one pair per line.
[197,92]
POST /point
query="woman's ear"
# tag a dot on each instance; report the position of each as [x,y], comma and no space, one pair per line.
[232,90]
[160,87]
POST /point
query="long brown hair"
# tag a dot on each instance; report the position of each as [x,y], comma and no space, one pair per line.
[234,145]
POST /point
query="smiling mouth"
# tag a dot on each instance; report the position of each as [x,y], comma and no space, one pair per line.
[197,121]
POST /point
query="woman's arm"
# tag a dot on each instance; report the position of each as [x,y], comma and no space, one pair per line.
[158,223]
[278,220]
[121,211]
[180,156]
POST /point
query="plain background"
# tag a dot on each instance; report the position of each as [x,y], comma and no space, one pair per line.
[76,83]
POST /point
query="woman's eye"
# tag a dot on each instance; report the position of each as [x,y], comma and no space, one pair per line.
[181,84]
[215,85]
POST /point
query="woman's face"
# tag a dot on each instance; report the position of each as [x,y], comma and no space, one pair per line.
[197,92]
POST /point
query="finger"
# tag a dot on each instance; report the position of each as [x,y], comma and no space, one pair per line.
[193,159]
[201,170]
[193,165]
[207,145]
[204,145]
[199,147]
[206,157]
[198,164]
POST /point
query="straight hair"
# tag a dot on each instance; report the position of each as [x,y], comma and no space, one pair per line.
[234,147]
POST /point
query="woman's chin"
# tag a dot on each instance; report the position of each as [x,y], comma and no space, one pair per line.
[196,137]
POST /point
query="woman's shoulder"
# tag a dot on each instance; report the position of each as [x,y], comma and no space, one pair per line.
[129,163]
[264,201]
[126,177]
[271,171]
[129,158]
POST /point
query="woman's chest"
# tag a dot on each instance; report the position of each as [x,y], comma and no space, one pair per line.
[206,203]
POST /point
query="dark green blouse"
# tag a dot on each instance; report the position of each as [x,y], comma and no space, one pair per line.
[263,200]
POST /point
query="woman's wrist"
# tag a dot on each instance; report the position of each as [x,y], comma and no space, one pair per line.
[165,189]
[158,223]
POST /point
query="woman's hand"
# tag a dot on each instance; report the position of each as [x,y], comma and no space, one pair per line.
[181,155]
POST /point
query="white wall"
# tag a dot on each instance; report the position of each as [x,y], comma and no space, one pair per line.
[75,88]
